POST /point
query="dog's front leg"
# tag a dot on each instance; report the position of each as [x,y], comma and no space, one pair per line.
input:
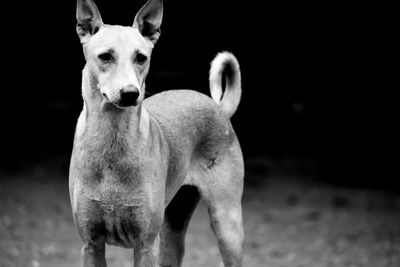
[93,253]
[146,255]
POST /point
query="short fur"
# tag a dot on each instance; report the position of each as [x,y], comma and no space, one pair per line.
[139,166]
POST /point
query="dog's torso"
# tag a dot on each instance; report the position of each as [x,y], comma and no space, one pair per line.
[196,130]
[119,194]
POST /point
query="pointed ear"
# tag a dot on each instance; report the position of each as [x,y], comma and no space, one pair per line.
[88,17]
[148,20]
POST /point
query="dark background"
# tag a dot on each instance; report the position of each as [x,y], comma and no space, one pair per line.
[313,79]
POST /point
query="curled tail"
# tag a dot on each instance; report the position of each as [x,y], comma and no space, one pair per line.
[225,65]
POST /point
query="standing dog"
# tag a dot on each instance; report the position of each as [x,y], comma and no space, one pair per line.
[140,166]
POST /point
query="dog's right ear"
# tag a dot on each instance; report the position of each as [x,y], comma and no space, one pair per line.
[89,19]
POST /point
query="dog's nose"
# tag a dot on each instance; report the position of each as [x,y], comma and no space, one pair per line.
[128,97]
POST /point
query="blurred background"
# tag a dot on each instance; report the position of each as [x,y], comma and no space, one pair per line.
[316,126]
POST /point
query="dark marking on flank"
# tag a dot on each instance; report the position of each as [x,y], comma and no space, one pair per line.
[211,162]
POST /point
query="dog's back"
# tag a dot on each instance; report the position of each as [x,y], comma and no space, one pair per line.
[185,115]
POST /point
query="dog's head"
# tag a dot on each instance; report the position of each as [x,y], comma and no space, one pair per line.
[118,58]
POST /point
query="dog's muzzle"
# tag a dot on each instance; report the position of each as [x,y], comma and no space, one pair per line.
[128,96]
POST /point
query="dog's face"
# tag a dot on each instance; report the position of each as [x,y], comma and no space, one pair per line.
[118,58]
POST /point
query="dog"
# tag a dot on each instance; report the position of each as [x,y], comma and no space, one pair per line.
[140,166]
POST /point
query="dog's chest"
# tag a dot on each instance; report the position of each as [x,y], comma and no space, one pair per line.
[121,224]
[114,212]
[117,186]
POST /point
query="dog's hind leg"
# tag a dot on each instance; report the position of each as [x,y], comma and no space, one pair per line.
[176,220]
[226,223]
[221,189]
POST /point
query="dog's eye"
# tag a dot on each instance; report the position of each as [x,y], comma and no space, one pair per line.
[106,57]
[141,58]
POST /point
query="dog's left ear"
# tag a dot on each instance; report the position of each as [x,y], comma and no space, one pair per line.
[148,20]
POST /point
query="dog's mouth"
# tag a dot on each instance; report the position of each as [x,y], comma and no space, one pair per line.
[117,105]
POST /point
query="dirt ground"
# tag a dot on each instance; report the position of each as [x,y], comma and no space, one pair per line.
[289,222]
